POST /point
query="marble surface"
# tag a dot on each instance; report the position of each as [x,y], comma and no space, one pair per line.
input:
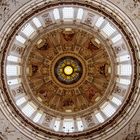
[8,132]
[131,131]
[8,7]
[131,8]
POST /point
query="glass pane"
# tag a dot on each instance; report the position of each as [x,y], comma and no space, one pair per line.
[99,22]
[68,12]
[116,38]
[123,58]
[28,110]
[99,117]
[56,14]
[13,82]
[68,125]
[56,125]
[37,22]
[124,69]
[80,125]
[108,110]
[80,13]
[124,81]
[21,101]
[12,58]
[20,39]
[28,30]
[12,70]
[108,29]
[37,117]
[116,101]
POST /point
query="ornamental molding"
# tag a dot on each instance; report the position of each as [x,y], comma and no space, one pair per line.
[132,101]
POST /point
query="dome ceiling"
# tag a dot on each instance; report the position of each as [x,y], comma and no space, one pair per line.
[68,70]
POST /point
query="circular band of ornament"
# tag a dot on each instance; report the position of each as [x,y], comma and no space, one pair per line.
[119,119]
[78,64]
[41,63]
[68,70]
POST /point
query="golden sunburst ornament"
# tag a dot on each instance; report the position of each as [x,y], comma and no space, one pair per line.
[68,70]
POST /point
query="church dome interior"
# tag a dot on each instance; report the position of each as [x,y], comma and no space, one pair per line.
[69,70]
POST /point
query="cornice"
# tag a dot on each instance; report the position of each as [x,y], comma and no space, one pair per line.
[129,103]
